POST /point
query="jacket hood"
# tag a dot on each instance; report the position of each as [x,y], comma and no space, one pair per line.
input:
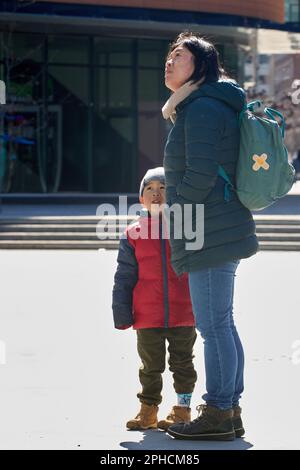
[224,90]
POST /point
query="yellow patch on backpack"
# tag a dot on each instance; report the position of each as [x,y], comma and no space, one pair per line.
[260,162]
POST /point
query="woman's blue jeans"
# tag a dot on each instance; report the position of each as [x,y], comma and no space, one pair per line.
[211,292]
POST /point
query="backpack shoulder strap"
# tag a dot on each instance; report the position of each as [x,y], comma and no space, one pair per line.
[272,113]
[228,186]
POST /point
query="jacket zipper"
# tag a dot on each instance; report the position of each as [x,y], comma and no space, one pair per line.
[165,275]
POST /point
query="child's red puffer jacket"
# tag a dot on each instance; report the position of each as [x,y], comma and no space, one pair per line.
[147,293]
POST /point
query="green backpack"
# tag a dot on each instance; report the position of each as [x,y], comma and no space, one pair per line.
[263,172]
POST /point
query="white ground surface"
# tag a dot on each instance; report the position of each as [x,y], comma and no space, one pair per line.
[69,380]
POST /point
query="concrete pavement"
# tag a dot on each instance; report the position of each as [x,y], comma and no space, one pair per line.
[69,380]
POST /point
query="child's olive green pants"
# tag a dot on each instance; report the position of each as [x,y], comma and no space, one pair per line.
[151,346]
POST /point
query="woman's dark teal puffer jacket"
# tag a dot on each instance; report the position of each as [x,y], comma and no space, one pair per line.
[206,134]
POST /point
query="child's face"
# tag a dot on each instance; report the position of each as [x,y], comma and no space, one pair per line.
[153,197]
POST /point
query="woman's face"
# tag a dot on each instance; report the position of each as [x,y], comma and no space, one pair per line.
[179,67]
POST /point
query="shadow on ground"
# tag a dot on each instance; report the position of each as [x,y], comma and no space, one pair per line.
[158,440]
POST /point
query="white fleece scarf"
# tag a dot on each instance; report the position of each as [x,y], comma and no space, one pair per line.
[179,95]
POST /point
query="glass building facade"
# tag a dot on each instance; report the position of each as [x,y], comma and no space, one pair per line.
[82,112]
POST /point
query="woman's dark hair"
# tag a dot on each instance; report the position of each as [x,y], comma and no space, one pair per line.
[206,57]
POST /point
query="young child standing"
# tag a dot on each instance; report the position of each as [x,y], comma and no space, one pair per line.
[148,296]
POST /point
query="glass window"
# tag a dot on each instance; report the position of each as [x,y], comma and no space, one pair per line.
[112,51]
[119,88]
[151,129]
[113,158]
[24,81]
[69,83]
[112,88]
[152,53]
[151,86]
[100,77]
[100,52]
[264,58]
[20,164]
[292,12]
[68,49]
[1,46]
[123,127]
[64,136]
[113,125]
[68,107]
[22,69]
[152,94]
[20,120]
[18,47]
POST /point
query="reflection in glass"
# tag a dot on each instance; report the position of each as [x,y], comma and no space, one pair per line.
[68,127]
[68,49]
[113,51]
[113,122]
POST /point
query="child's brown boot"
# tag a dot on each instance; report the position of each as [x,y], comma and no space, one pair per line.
[145,419]
[178,414]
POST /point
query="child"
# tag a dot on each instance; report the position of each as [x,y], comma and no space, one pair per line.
[149,296]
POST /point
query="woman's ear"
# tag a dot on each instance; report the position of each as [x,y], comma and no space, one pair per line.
[141,199]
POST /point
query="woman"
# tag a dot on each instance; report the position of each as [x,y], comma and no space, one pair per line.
[204,108]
